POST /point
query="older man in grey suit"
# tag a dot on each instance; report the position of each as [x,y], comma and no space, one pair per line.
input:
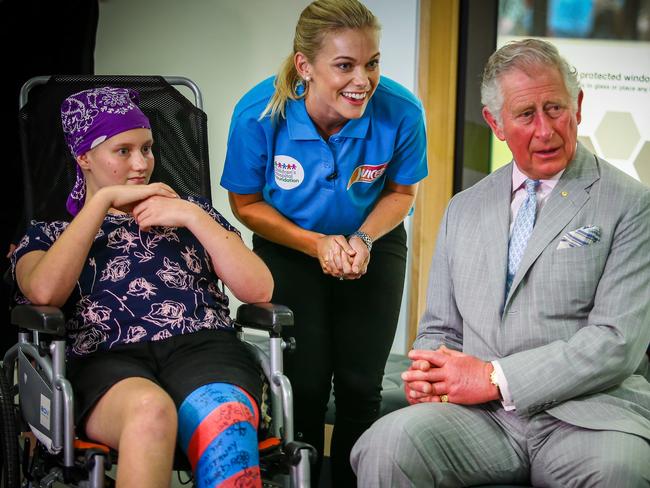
[525,368]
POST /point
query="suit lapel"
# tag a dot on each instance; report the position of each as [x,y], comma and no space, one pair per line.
[564,202]
[495,222]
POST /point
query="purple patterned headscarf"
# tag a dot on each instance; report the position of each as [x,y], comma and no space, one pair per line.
[92,116]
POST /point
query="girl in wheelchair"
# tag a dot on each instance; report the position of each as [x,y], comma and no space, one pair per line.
[151,348]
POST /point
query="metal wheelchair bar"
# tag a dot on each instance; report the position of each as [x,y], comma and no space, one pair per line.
[97,474]
[23,336]
[58,370]
[181,80]
[276,393]
[302,472]
[62,403]
[27,86]
[287,403]
[64,386]
[276,368]
[172,80]
[9,360]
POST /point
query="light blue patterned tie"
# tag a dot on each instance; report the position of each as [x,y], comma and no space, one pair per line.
[521,231]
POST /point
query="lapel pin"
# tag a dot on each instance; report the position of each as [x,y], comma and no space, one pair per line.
[565,193]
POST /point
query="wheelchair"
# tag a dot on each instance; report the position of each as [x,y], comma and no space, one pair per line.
[35,396]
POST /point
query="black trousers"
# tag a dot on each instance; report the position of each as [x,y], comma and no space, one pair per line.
[344,331]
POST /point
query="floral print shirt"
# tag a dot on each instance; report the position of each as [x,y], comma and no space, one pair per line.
[137,286]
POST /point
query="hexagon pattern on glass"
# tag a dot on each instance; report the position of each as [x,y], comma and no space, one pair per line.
[617,135]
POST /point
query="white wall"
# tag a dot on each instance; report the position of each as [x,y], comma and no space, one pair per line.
[226,46]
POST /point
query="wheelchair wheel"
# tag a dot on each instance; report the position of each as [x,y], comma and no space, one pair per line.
[10,474]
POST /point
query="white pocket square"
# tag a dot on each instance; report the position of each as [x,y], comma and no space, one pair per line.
[584,236]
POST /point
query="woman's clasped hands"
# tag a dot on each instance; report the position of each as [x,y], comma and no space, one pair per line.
[343,259]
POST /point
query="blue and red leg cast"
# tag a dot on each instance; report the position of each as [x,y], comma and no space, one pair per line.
[217,429]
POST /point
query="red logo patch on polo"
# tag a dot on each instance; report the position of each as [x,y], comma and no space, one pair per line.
[366,173]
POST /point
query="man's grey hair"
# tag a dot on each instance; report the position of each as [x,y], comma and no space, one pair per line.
[523,55]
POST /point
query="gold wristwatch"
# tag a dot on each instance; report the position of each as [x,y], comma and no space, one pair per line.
[493,380]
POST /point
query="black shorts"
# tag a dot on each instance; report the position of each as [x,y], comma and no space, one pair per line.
[179,365]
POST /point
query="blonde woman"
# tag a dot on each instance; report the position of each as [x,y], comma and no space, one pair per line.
[323,163]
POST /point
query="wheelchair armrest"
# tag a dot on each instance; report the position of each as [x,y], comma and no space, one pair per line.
[264,316]
[39,318]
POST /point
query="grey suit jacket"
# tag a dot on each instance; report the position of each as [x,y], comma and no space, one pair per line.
[573,331]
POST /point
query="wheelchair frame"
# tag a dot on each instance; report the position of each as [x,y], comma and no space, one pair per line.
[55,417]
[43,367]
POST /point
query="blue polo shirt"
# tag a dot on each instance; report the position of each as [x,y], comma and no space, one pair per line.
[328,186]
